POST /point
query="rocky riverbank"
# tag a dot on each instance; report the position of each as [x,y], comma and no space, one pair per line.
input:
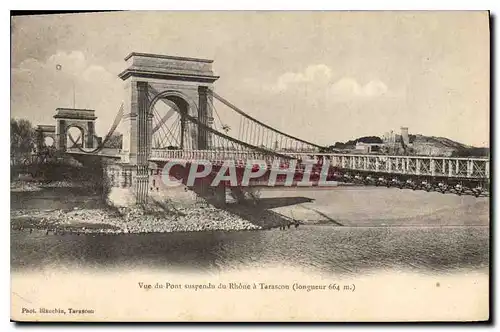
[37,185]
[130,220]
[63,207]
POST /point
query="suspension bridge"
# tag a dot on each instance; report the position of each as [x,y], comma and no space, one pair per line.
[171,113]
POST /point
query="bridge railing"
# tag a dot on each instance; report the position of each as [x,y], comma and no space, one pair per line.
[477,168]
[412,165]
[217,156]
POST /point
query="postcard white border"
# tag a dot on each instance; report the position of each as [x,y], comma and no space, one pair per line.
[205,5]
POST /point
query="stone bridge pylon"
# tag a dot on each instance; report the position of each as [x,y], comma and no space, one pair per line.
[66,118]
[180,82]
[82,119]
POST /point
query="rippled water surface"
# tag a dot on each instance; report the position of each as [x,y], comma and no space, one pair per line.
[327,248]
[413,231]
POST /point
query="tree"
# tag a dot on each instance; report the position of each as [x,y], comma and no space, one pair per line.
[22,139]
[370,139]
[471,152]
[115,141]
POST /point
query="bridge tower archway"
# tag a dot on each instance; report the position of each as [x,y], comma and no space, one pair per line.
[180,82]
[171,109]
[83,119]
[43,134]
[153,78]
[75,136]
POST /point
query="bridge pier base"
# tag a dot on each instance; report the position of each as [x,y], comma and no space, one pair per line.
[126,185]
[238,194]
[141,184]
[212,195]
[220,195]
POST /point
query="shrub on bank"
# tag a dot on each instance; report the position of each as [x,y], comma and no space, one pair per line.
[65,169]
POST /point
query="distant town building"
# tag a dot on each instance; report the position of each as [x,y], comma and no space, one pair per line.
[404,135]
[397,144]
[368,147]
[389,137]
[403,144]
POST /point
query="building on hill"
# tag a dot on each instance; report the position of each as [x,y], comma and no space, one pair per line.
[389,138]
[368,147]
[397,144]
[405,138]
[408,144]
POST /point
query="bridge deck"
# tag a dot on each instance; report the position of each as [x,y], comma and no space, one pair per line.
[470,168]
[110,153]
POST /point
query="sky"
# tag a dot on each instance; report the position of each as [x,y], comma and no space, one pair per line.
[321,76]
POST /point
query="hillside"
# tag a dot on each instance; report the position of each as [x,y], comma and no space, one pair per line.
[442,146]
[420,145]
[438,141]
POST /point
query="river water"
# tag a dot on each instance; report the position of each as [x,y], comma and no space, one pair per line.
[363,230]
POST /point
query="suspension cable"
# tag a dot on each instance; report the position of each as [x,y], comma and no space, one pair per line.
[155,113]
[236,109]
[165,134]
[115,124]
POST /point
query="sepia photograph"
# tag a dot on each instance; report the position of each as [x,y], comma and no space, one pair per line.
[250,166]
